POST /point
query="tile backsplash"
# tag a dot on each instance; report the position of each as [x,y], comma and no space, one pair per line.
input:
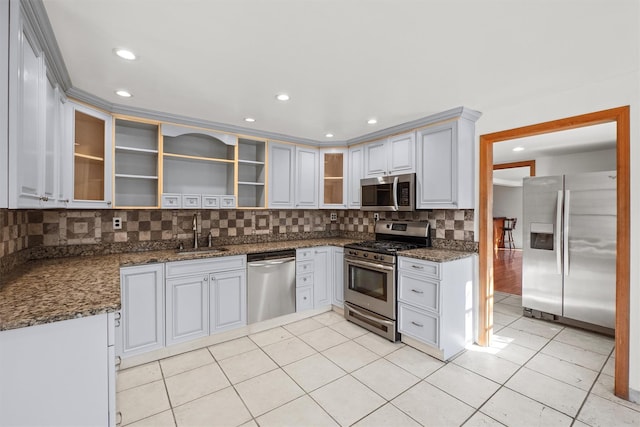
[60,232]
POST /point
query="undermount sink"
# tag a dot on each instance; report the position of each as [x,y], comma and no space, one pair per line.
[204,250]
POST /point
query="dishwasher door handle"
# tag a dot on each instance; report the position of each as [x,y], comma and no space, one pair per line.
[271,262]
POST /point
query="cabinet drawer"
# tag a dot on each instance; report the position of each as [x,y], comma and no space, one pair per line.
[304,280]
[190,201]
[303,267]
[419,325]
[227,202]
[419,291]
[171,200]
[304,298]
[210,202]
[304,254]
[420,266]
[208,265]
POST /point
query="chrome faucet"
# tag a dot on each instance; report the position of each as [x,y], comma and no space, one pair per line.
[195,231]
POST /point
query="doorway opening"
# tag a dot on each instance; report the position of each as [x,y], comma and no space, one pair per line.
[621,117]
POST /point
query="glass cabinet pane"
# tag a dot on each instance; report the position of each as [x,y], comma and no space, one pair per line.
[333,179]
[88,157]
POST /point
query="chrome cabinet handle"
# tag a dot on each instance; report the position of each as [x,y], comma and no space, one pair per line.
[118,360]
[119,418]
[417,267]
[117,318]
[417,291]
[420,325]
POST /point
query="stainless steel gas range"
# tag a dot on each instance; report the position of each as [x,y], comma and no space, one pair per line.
[370,275]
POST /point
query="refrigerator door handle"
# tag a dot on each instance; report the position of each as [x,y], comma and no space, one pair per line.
[567,203]
[558,233]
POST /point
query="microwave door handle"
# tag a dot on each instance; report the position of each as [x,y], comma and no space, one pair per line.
[395,193]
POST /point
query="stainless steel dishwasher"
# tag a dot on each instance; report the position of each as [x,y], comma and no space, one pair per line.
[271,285]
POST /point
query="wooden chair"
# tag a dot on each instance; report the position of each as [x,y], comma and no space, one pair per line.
[507,232]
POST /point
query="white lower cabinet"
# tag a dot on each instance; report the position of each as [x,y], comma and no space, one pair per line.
[141,324]
[338,276]
[187,308]
[319,277]
[434,305]
[64,372]
[227,300]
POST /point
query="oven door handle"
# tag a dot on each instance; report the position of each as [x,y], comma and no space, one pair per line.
[371,265]
[366,316]
[395,193]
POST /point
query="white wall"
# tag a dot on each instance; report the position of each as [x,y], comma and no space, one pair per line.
[507,202]
[592,161]
[584,97]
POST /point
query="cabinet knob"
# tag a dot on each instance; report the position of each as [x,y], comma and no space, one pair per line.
[206,279]
[108,202]
[304,298]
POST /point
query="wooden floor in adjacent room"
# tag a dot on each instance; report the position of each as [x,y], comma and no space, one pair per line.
[507,271]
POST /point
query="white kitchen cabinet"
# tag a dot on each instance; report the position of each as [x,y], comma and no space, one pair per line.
[322,276]
[304,279]
[356,173]
[227,300]
[141,323]
[306,184]
[375,159]
[392,156]
[187,308]
[402,153]
[89,148]
[4,107]
[446,166]
[333,178]
[281,175]
[252,164]
[338,276]
[434,305]
[60,373]
[35,114]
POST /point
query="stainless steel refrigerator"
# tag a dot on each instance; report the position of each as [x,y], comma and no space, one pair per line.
[569,247]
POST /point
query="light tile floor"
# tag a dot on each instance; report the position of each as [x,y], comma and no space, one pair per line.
[324,371]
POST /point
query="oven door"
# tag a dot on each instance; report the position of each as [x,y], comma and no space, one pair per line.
[371,286]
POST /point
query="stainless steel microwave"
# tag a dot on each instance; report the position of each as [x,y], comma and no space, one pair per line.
[388,193]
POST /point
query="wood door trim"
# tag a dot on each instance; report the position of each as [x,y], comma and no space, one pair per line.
[531,164]
[619,115]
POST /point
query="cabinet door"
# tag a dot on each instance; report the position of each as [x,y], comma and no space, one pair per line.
[227,300]
[333,173]
[4,106]
[187,308]
[142,314]
[375,159]
[306,185]
[436,178]
[90,148]
[27,109]
[356,169]
[51,152]
[304,298]
[322,279]
[402,153]
[281,171]
[338,276]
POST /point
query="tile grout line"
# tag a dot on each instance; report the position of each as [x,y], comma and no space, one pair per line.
[166,389]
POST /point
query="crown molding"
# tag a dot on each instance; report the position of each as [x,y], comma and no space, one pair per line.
[36,14]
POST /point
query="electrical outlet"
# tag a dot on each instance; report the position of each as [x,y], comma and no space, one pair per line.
[334,216]
[376,216]
[117,223]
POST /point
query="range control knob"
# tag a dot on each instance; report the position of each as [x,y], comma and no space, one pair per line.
[365,255]
[375,257]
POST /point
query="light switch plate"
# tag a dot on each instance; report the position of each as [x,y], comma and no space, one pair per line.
[117,223]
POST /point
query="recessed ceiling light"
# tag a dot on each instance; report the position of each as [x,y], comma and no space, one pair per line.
[249,119]
[125,54]
[329,135]
[372,121]
[123,93]
[518,149]
[282,97]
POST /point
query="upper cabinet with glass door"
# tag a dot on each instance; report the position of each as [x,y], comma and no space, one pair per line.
[92,154]
[333,172]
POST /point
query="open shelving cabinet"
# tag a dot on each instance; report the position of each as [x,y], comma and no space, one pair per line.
[252,164]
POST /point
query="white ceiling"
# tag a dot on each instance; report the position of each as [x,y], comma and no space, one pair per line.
[341,61]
